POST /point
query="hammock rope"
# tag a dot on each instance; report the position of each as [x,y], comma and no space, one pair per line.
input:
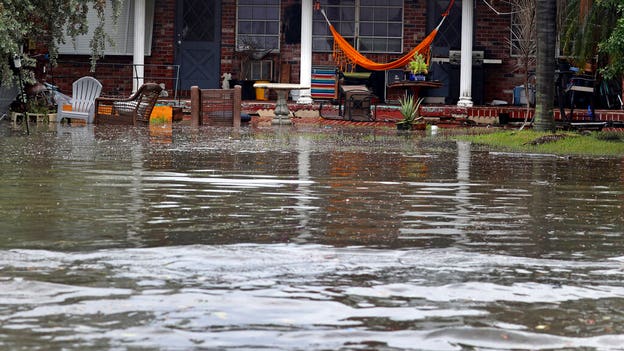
[346,56]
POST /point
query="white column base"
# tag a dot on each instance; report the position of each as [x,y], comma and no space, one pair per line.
[465,101]
[305,98]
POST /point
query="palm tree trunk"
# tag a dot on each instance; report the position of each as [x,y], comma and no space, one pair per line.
[545,64]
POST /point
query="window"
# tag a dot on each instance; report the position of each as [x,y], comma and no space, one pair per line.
[122,33]
[258,25]
[369,25]
[260,69]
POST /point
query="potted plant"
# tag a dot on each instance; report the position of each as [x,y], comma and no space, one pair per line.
[409,108]
[418,67]
[39,110]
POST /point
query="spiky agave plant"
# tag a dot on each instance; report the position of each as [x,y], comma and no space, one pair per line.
[409,108]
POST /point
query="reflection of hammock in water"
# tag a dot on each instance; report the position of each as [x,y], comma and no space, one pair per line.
[346,55]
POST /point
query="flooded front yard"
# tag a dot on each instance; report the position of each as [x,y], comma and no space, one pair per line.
[310,238]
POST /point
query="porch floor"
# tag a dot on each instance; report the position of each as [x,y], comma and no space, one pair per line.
[388,114]
[433,113]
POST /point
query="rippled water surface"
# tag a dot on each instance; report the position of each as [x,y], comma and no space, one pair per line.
[114,238]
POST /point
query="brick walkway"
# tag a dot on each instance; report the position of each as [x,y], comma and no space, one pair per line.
[478,114]
[387,115]
[443,115]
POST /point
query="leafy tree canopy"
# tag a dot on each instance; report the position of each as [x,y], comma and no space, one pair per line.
[613,46]
[595,29]
[48,23]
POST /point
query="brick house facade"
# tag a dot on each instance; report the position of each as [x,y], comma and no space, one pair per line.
[492,33]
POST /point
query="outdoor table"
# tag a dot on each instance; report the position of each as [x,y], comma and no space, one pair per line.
[413,86]
[281,106]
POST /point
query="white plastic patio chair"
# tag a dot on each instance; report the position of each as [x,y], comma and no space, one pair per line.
[84,92]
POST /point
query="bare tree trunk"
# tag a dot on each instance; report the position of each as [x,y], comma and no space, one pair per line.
[523,43]
[545,70]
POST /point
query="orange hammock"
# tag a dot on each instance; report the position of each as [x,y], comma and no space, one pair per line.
[346,55]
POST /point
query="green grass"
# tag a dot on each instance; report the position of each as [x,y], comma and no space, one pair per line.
[566,143]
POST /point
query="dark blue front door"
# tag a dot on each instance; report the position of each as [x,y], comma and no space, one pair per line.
[198,43]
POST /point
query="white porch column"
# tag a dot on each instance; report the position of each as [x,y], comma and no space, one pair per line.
[465,76]
[305,68]
[138,55]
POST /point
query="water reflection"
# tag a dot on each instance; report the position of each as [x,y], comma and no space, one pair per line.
[304,206]
[303,240]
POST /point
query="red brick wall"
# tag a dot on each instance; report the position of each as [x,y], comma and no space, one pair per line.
[492,34]
[163,37]
[228,35]
[163,41]
[113,77]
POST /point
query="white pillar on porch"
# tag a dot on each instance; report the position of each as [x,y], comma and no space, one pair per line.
[305,67]
[465,75]
[138,55]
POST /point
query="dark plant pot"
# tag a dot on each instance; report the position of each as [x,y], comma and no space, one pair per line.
[404,126]
[503,118]
[248,92]
[411,126]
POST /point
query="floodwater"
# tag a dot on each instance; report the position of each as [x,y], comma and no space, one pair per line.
[115,238]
